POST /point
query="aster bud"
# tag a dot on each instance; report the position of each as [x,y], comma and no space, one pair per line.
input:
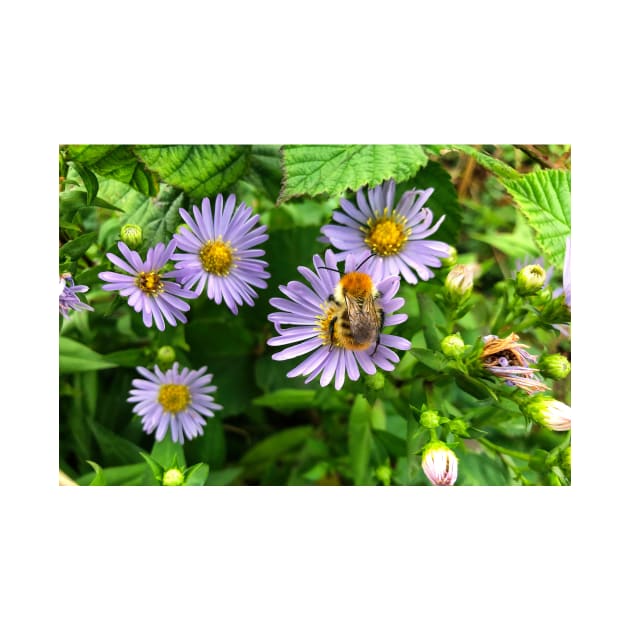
[459,283]
[165,357]
[375,381]
[555,366]
[546,411]
[384,474]
[530,279]
[173,477]
[430,419]
[453,346]
[451,259]
[131,235]
[439,464]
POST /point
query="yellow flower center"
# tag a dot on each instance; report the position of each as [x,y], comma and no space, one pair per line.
[149,282]
[386,234]
[174,398]
[216,257]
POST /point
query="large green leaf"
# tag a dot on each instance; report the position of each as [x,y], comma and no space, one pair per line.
[332,169]
[75,357]
[286,399]
[544,197]
[272,447]
[114,161]
[199,170]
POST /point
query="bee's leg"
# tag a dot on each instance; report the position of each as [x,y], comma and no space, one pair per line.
[331,332]
[381,318]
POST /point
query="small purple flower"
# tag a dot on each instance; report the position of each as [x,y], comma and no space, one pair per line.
[145,287]
[395,235]
[304,322]
[508,360]
[68,298]
[218,251]
[173,398]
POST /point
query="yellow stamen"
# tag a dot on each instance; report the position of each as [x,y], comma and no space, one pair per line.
[217,257]
[149,282]
[386,235]
[174,398]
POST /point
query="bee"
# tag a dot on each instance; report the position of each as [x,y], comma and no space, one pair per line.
[358,321]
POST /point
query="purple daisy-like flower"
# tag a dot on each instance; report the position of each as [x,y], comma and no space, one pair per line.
[218,251]
[145,285]
[397,236]
[68,298]
[173,398]
[306,323]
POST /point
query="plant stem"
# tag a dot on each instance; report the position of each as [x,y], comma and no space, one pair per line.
[502,449]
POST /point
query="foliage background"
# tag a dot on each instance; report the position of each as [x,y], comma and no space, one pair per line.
[502,203]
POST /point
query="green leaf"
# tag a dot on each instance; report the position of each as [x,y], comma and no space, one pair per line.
[99,478]
[158,217]
[210,446]
[332,169]
[395,446]
[499,168]
[199,170]
[480,470]
[90,182]
[132,475]
[75,357]
[443,200]
[544,197]
[75,248]
[223,477]
[287,399]
[168,454]
[116,162]
[360,439]
[265,171]
[196,475]
[277,444]
[126,358]
[156,468]
[475,387]
[517,244]
[436,361]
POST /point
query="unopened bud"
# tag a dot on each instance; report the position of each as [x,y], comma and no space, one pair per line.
[459,282]
[451,259]
[165,357]
[453,346]
[384,474]
[375,381]
[430,419]
[173,477]
[530,279]
[131,235]
[555,366]
[547,411]
[439,464]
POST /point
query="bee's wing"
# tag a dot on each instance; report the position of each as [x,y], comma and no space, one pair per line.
[364,309]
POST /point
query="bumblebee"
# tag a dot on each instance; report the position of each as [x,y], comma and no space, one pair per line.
[358,321]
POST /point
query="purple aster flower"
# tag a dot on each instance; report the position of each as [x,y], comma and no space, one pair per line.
[173,398]
[395,235]
[68,298]
[218,251]
[311,321]
[509,360]
[145,285]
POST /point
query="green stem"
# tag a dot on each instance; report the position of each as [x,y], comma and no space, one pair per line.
[503,450]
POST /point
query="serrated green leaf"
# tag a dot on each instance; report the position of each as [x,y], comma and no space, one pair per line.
[99,478]
[199,170]
[544,197]
[75,248]
[332,169]
[499,168]
[265,172]
[75,357]
[272,447]
[158,217]
[360,439]
[117,162]
[287,399]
